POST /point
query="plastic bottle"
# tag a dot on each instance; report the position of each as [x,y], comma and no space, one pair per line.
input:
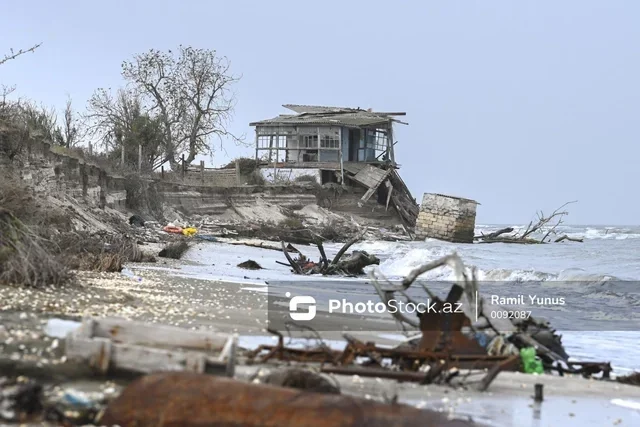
[531,364]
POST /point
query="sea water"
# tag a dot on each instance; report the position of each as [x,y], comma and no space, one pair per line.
[600,278]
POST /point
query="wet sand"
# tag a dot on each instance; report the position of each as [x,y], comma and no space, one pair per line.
[218,305]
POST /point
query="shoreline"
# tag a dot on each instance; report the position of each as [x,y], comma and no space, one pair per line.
[161,296]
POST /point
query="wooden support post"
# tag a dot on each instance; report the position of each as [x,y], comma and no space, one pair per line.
[139,157]
[183,167]
[202,170]
[257,141]
[122,156]
[390,144]
[162,171]
[90,149]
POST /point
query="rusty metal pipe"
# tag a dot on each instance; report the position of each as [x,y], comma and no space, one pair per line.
[183,399]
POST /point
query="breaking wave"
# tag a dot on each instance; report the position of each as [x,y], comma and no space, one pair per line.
[400,262]
[584,232]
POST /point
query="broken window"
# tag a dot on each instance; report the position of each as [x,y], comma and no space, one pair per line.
[330,141]
[309,141]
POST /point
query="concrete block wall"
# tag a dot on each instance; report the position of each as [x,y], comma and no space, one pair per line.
[448,218]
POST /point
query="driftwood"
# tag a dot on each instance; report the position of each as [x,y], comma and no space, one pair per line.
[565,237]
[349,265]
[529,333]
[546,225]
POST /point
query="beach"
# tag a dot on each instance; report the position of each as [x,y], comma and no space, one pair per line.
[205,290]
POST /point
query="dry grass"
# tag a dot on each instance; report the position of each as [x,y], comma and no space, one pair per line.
[24,259]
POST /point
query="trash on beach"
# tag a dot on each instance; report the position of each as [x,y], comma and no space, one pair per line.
[171,228]
[113,344]
[206,237]
[128,273]
[449,341]
[60,328]
[189,231]
[20,399]
[531,364]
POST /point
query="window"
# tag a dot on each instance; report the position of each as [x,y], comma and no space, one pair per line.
[309,141]
[329,141]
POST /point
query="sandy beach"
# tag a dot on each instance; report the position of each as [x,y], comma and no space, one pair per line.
[158,293]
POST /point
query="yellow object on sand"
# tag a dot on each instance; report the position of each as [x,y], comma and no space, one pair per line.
[189,231]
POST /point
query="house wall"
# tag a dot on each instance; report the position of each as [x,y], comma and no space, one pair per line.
[446,218]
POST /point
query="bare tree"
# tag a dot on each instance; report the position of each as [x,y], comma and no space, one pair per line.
[14,54]
[68,134]
[120,123]
[190,92]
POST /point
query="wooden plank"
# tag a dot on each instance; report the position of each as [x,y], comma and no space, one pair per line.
[389,191]
[373,188]
[371,176]
[132,332]
[97,352]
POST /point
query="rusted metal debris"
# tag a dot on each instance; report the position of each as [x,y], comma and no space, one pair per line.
[449,340]
[183,399]
[425,367]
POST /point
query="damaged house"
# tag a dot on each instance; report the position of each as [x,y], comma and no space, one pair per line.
[346,146]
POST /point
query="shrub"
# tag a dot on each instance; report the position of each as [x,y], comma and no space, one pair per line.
[256,178]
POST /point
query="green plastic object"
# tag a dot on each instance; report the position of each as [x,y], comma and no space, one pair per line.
[530,362]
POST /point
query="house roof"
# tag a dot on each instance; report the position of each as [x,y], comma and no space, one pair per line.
[330,116]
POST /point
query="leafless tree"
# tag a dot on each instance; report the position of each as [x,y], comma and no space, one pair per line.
[191,92]
[69,134]
[544,225]
[14,54]
[120,122]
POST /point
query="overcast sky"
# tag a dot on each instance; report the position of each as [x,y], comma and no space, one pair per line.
[521,105]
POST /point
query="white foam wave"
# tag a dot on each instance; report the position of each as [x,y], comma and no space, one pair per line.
[401,262]
[589,233]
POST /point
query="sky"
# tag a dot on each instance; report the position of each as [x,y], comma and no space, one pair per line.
[520,105]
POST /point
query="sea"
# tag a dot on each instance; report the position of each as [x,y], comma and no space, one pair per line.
[598,280]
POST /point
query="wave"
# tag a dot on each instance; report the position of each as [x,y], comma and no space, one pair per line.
[588,233]
[401,261]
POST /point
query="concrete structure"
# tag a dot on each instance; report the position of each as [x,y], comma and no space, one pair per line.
[446,218]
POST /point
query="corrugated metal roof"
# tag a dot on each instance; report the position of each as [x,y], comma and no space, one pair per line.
[342,119]
[316,109]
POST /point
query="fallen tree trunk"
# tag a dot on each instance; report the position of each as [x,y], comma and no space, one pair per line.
[543,225]
[349,265]
[571,239]
[494,234]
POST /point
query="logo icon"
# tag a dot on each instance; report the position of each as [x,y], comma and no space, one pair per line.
[303,299]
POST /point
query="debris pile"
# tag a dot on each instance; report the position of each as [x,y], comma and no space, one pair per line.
[449,341]
[349,265]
